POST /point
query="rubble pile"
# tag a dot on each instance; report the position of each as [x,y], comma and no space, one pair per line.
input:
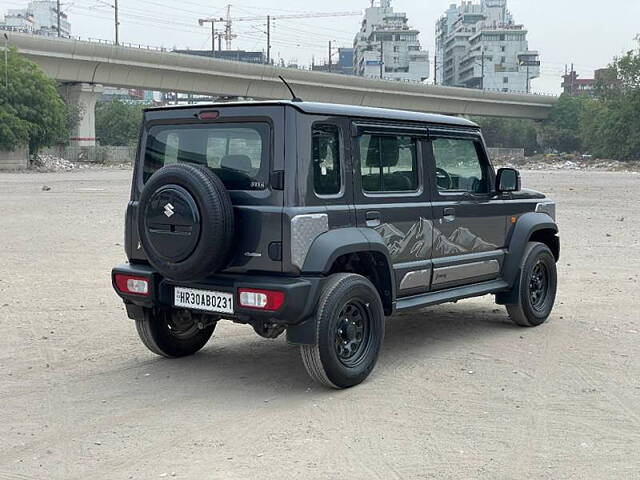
[52,163]
[567,162]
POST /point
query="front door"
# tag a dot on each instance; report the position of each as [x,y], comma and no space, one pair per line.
[392,198]
[470,218]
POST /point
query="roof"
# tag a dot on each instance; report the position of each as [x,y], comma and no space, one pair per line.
[315,108]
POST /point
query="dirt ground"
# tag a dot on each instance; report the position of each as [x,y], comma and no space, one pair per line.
[459,392]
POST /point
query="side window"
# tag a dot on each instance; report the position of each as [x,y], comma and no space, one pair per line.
[325,146]
[388,163]
[458,166]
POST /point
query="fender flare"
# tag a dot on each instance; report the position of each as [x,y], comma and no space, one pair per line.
[527,225]
[327,247]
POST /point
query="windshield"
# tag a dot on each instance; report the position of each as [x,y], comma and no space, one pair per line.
[237,153]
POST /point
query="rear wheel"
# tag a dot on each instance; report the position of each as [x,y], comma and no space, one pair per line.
[173,334]
[537,287]
[350,330]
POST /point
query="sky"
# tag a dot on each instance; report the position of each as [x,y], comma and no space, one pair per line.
[587,33]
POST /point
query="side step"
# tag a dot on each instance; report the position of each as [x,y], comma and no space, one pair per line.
[450,295]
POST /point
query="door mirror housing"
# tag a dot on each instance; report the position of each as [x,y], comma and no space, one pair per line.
[508,180]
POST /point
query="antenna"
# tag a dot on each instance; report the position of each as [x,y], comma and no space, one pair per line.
[293,95]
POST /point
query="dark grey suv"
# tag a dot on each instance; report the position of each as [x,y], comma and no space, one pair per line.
[321,220]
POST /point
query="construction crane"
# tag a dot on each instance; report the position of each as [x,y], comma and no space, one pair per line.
[229,36]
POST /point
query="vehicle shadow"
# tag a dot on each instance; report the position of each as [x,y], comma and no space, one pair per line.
[245,363]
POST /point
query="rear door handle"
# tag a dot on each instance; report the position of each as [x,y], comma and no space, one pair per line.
[373,218]
[449,214]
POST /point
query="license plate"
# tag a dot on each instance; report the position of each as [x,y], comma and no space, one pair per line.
[207,300]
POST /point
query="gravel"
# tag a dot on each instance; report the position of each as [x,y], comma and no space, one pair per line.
[561,401]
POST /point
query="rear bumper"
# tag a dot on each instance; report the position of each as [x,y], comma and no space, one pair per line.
[301,294]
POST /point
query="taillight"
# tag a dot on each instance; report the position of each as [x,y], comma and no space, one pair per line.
[131,284]
[209,115]
[270,300]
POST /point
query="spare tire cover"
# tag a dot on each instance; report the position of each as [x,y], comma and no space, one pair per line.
[185,222]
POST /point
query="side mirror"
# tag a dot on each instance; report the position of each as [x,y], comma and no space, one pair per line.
[508,180]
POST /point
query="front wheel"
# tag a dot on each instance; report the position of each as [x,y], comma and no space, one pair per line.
[537,287]
[350,330]
[173,334]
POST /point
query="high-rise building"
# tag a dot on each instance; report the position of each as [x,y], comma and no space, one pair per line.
[478,45]
[40,17]
[386,47]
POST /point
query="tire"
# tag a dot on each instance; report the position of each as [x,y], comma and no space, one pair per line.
[349,308]
[186,222]
[156,332]
[537,287]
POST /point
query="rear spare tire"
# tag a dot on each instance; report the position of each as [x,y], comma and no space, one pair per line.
[185,222]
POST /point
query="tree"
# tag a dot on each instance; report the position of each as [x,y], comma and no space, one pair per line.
[610,125]
[117,123]
[509,133]
[31,110]
[562,130]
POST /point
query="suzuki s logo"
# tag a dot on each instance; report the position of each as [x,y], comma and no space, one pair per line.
[169,210]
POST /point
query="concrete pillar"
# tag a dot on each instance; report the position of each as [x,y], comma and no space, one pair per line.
[83,96]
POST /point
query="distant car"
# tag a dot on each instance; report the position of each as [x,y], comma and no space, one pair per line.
[321,220]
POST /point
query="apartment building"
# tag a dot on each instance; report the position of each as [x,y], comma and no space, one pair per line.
[479,45]
[387,47]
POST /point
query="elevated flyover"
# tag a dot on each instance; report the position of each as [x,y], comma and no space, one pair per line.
[87,64]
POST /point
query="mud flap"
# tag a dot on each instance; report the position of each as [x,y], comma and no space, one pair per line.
[304,333]
[510,297]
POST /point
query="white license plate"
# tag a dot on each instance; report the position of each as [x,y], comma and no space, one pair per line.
[207,300]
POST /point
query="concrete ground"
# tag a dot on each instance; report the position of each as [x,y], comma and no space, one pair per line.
[459,392]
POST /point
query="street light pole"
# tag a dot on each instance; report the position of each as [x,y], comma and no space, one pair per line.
[212,21]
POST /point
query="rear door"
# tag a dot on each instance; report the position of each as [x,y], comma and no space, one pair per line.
[391,195]
[244,146]
[470,218]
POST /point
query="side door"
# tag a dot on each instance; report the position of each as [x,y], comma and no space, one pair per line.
[470,218]
[321,197]
[392,198]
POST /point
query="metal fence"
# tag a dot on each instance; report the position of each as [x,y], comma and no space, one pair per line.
[98,154]
[506,153]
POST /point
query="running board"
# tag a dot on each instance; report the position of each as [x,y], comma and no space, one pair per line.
[450,295]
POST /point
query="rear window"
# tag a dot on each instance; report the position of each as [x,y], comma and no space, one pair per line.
[238,153]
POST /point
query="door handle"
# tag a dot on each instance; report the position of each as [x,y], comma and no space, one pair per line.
[449,214]
[373,218]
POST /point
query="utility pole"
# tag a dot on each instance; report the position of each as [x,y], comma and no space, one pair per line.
[435,69]
[117,22]
[6,64]
[268,39]
[527,78]
[213,36]
[381,59]
[58,12]
[330,54]
[227,29]
[482,74]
